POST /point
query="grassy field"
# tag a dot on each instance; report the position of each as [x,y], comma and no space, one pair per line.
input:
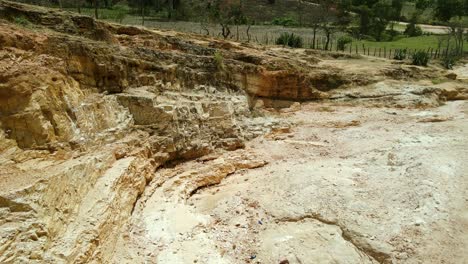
[267,34]
[116,14]
[422,42]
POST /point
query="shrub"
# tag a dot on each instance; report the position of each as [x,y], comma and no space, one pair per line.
[400,54]
[421,58]
[343,41]
[219,60]
[120,12]
[284,21]
[20,20]
[289,39]
[413,30]
[450,59]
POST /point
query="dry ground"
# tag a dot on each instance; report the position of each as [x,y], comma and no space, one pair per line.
[348,184]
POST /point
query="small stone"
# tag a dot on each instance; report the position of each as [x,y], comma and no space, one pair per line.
[284,261]
[33,237]
[35,255]
[451,76]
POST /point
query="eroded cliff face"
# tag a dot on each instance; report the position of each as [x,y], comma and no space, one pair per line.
[90,112]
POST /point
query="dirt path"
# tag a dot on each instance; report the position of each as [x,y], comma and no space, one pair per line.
[349,184]
[430,28]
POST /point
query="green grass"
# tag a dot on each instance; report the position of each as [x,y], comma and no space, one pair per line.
[116,13]
[261,33]
[422,42]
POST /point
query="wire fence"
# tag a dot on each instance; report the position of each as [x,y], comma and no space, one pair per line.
[268,34]
[382,52]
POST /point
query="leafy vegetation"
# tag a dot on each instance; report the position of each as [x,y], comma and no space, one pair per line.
[343,41]
[20,20]
[412,29]
[400,54]
[219,60]
[285,21]
[449,60]
[290,39]
[421,58]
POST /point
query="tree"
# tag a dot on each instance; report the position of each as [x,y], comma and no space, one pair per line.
[315,26]
[237,17]
[343,16]
[226,15]
[327,8]
[143,5]
[412,29]
[424,4]
[446,9]
[96,6]
[397,6]
[317,19]
[382,13]
[365,19]
[78,4]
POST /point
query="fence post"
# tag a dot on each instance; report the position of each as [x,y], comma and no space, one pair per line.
[385,52]
[375,50]
[380,51]
[357,49]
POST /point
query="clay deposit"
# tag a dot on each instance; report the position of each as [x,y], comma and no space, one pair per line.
[122,144]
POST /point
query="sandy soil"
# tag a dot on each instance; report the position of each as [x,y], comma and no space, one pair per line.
[348,184]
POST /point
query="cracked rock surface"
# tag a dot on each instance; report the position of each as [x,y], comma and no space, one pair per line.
[348,184]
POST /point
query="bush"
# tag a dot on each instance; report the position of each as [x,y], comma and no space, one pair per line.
[450,59]
[289,39]
[20,20]
[343,41]
[120,12]
[284,21]
[400,54]
[448,62]
[413,30]
[219,60]
[421,58]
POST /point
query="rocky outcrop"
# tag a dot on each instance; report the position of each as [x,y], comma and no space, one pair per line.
[89,111]
[85,121]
